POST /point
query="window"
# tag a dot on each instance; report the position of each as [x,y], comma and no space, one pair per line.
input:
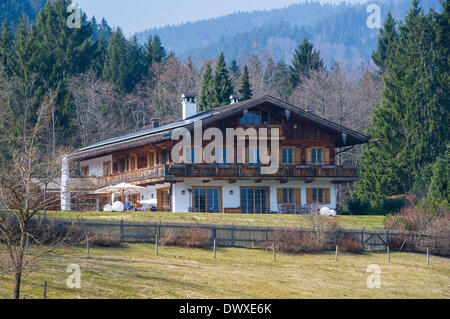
[120,165]
[316,156]
[318,195]
[206,200]
[288,195]
[191,155]
[253,156]
[287,155]
[255,118]
[221,155]
[85,171]
[254,200]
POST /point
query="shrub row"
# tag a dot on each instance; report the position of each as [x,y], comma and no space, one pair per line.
[364,207]
[193,237]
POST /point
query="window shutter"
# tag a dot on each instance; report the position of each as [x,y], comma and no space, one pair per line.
[326,195]
[326,156]
[279,195]
[308,156]
[297,156]
[309,195]
[298,194]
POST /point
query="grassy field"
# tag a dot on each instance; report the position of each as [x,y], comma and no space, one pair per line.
[369,222]
[136,272]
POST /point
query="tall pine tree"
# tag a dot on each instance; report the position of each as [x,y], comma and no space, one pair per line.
[305,60]
[411,125]
[245,90]
[221,84]
[386,41]
[206,93]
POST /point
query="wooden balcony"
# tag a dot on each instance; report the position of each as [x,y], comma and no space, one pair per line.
[168,173]
[308,172]
[153,174]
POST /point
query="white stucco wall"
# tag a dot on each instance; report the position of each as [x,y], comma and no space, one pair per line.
[96,165]
[181,203]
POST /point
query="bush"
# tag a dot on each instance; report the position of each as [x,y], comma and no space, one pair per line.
[296,242]
[169,238]
[357,206]
[46,232]
[392,205]
[105,240]
[193,237]
[350,245]
[395,222]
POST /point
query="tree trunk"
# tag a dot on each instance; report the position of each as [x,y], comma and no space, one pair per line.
[17,280]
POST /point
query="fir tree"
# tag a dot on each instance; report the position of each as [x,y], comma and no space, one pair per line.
[411,125]
[234,69]
[5,46]
[115,68]
[386,42]
[245,90]
[158,51]
[305,60]
[205,90]
[221,84]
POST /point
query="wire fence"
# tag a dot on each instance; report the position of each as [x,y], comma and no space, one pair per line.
[254,236]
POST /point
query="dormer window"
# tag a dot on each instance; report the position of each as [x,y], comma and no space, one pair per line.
[255,118]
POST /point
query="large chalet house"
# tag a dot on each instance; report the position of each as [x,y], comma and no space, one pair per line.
[307,175]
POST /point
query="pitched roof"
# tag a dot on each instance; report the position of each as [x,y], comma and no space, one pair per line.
[209,116]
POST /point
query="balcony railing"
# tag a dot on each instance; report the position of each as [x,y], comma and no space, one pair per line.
[245,170]
[170,172]
[139,175]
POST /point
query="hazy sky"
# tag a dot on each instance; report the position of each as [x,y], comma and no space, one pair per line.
[138,15]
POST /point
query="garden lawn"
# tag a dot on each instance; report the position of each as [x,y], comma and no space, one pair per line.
[136,272]
[345,221]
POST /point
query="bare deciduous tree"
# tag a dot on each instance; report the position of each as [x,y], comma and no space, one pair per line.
[29,166]
[95,103]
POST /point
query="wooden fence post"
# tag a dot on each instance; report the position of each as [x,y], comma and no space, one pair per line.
[213,232]
[337,252]
[428,256]
[214,248]
[389,254]
[45,290]
[267,232]
[232,235]
[122,235]
[387,237]
[26,243]
[159,229]
[274,253]
[362,238]
[87,245]
[156,244]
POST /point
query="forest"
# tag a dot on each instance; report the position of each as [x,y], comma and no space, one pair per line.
[100,84]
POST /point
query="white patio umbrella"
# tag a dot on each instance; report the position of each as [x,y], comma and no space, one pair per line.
[121,188]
